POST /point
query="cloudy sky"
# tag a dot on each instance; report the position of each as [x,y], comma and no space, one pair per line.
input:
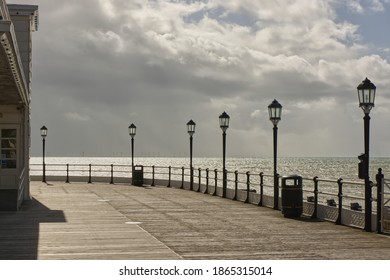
[100,65]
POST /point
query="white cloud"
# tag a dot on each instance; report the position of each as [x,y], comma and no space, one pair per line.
[108,8]
[387,50]
[344,74]
[157,62]
[355,6]
[74,116]
[361,6]
[301,32]
[256,113]
[107,41]
[280,11]
[377,6]
[323,104]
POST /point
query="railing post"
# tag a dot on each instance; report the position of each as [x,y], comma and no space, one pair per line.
[340,195]
[182,178]
[207,181]
[247,186]
[152,176]
[67,173]
[112,174]
[379,190]
[200,179]
[315,212]
[191,178]
[90,174]
[215,181]
[235,184]
[261,189]
[278,188]
[169,176]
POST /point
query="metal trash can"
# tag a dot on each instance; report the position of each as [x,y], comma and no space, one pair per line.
[138,175]
[292,196]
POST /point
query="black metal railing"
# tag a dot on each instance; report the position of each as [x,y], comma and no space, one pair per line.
[336,193]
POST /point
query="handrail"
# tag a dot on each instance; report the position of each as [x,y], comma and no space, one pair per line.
[256,180]
[326,191]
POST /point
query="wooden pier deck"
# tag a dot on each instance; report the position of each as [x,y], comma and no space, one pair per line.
[101,221]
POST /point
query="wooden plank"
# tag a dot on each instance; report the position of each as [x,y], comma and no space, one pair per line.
[88,221]
[72,222]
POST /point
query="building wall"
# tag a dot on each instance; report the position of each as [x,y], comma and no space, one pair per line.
[12,184]
[15,109]
[24,21]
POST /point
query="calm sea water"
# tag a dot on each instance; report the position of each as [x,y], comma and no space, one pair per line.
[326,168]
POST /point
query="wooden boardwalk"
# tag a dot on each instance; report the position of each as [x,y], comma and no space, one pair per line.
[102,221]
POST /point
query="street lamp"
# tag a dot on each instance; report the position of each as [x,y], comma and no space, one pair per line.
[224,124]
[366,94]
[191,130]
[43,134]
[275,112]
[132,130]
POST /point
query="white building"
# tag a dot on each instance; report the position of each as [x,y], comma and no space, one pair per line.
[17,22]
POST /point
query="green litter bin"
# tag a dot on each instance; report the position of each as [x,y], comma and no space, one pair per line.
[138,175]
[292,196]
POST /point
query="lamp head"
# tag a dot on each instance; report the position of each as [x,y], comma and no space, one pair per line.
[43,132]
[191,127]
[366,94]
[132,130]
[224,121]
[275,112]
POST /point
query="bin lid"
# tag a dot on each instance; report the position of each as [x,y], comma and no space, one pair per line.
[292,177]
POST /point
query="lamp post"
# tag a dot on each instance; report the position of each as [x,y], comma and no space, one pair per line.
[366,94]
[191,130]
[43,134]
[275,112]
[224,124]
[132,130]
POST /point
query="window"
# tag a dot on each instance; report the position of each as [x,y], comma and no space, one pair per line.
[8,148]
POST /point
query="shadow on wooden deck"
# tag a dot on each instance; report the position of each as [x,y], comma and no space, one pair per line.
[19,230]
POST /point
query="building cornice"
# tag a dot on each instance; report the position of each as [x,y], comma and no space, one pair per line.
[4,14]
[9,44]
[25,10]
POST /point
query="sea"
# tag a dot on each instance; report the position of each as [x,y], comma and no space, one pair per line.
[308,167]
[327,169]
